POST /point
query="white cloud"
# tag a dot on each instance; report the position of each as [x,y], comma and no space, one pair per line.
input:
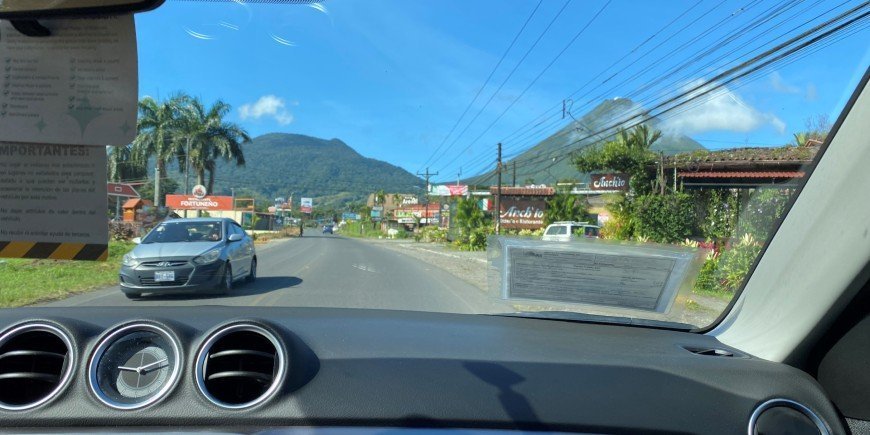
[721,110]
[268,106]
[779,85]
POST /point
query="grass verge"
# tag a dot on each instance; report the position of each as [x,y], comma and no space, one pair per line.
[26,281]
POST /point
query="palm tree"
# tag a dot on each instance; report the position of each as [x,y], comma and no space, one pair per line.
[121,165]
[156,134]
[380,197]
[207,137]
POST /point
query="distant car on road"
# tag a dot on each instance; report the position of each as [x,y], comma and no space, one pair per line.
[202,255]
[568,231]
[328,229]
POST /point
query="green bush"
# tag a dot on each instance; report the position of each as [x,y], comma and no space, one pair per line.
[761,212]
[708,280]
[431,234]
[620,226]
[734,263]
[664,218]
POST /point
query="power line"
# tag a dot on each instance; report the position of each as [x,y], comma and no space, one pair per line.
[767,31]
[500,86]
[690,24]
[764,64]
[540,74]
[600,73]
[485,83]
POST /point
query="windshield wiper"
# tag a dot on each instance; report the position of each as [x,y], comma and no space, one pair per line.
[568,316]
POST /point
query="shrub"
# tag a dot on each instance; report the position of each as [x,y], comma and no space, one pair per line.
[431,234]
[664,218]
[761,212]
[707,280]
[734,263]
[620,226]
[122,230]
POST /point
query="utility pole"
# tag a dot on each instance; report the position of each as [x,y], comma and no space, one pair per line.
[157,186]
[427,174]
[498,193]
[661,173]
[514,180]
[187,171]
[458,175]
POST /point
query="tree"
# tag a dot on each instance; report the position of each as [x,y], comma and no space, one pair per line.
[817,128]
[209,137]
[628,152]
[469,216]
[380,197]
[167,186]
[564,207]
[122,166]
[156,133]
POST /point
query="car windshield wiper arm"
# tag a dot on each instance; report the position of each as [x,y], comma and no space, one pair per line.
[568,316]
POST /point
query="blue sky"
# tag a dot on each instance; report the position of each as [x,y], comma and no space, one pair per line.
[391,77]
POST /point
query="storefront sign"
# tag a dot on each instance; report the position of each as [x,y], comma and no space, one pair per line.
[184,202]
[609,182]
[522,213]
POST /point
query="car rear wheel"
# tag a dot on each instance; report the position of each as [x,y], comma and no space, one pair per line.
[252,276]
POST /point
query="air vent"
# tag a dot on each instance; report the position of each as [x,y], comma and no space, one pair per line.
[709,351]
[240,366]
[35,364]
[783,416]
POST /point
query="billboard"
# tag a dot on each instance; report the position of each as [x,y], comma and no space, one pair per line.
[608,182]
[522,213]
[306,204]
[185,202]
[448,190]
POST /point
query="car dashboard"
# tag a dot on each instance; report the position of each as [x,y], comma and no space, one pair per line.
[231,369]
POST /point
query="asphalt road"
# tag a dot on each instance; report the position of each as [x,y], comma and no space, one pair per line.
[329,271]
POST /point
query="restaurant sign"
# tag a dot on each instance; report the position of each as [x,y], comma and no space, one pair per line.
[185,202]
[522,213]
[609,182]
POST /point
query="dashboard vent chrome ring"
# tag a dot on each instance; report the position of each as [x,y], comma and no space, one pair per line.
[240,365]
[36,363]
[780,402]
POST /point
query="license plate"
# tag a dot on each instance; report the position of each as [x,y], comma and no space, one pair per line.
[164,276]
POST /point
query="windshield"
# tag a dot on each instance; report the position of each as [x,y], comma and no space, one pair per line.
[175,232]
[412,155]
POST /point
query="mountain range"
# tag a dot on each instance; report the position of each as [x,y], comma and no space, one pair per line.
[284,164]
[281,164]
[546,162]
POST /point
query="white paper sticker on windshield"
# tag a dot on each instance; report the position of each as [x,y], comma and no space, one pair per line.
[53,201]
[640,278]
[78,86]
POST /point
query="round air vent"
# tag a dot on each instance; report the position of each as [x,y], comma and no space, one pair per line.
[240,366]
[35,364]
[783,416]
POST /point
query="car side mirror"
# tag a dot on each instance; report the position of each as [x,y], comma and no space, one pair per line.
[235,237]
[137,240]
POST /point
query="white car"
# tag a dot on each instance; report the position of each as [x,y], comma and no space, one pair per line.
[568,231]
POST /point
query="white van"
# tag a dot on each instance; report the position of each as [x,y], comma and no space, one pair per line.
[568,231]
